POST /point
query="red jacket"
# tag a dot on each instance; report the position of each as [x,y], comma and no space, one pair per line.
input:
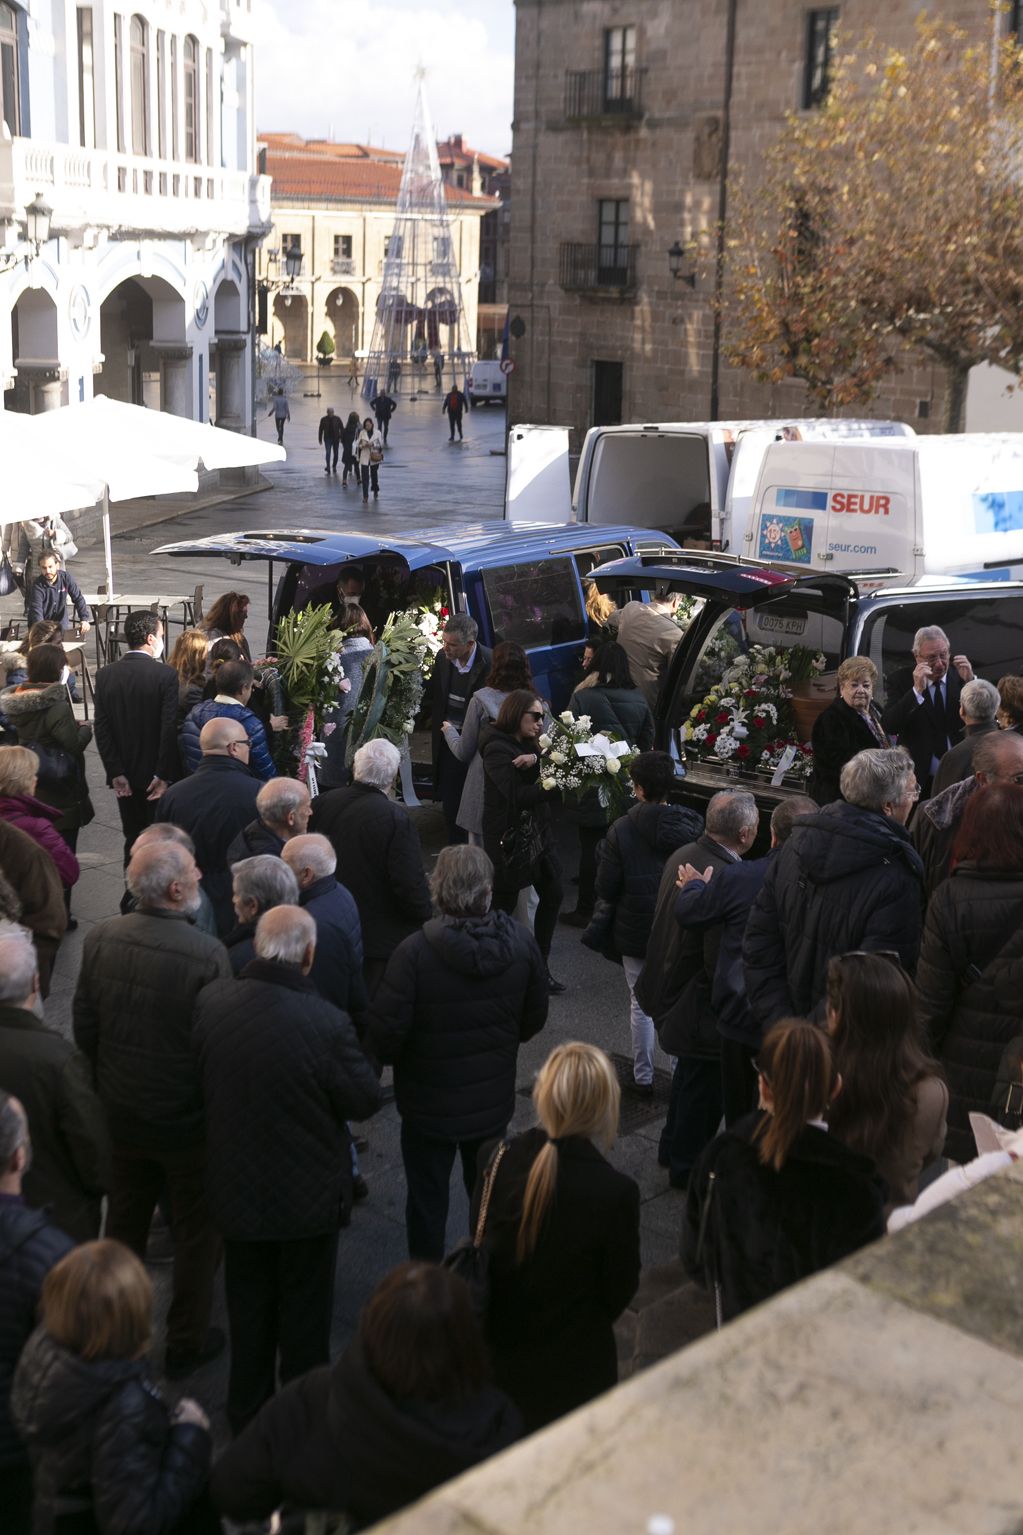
[30,815]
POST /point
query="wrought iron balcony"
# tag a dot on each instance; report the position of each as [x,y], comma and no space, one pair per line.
[615,94]
[597,268]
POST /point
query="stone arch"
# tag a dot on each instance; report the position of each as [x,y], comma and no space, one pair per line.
[228,315]
[41,383]
[342,320]
[146,358]
[290,325]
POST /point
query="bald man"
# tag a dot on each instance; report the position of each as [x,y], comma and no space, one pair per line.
[213,805]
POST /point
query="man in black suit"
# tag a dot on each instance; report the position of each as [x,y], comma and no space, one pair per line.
[925,717]
[458,671]
[136,724]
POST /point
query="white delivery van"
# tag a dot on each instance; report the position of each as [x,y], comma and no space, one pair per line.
[694,479]
[486,382]
[899,510]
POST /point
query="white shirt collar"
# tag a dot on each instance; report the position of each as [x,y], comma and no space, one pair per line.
[466,665]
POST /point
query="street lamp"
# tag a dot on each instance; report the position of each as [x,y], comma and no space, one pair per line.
[677,258]
[293,261]
[37,222]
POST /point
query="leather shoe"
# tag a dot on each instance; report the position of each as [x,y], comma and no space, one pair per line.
[643,1090]
[179,1362]
[554,987]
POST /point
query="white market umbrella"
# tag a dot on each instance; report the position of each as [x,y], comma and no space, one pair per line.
[107,429]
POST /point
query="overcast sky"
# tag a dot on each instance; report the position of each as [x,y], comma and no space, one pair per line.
[344,68]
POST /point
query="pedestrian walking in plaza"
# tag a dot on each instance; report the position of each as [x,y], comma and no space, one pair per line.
[383,407]
[394,374]
[50,593]
[563,1242]
[455,404]
[349,463]
[32,877]
[235,681]
[338,966]
[776,1198]
[369,453]
[407,1407]
[258,884]
[281,1072]
[133,1008]
[509,669]
[282,811]
[438,367]
[69,1170]
[107,1453]
[458,673]
[281,412]
[136,724]
[456,1001]
[30,1244]
[214,804]
[330,438]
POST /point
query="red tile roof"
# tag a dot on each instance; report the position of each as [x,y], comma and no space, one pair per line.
[311,174]
[453,151]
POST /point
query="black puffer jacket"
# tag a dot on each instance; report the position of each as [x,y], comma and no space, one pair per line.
[508,789]
[281,1072]
[29,1247]
[100,1436]
[970,983]
[253,839]
[630,862]
[621,712]
[456,1001]
[335,1440]
[846,879]
[140,978]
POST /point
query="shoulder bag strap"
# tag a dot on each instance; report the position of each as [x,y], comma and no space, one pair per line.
[488,1188]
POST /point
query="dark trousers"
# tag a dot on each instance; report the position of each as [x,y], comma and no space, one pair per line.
[136,814]
[694,1113]
[382,425]
[280,1300]
[71,838]
[451,776]
[738,1080]
[16,1499]
[138,1178]
[331,451]
[368,474]
[546,881]
[590,838]
[279,424]
[455,419]
[428,1165]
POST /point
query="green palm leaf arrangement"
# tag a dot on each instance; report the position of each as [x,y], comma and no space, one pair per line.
[305,643]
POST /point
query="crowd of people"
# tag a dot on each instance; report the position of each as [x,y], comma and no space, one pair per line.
[836,992]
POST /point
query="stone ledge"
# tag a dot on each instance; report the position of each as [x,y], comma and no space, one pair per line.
[856,1403]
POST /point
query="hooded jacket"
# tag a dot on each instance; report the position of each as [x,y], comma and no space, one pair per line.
[39,822]
[456,1001]
[335,1440]
[261,763]
[847,878]
[100,1437]
[29,1247]
[630,863]
[934,829]
[43,716]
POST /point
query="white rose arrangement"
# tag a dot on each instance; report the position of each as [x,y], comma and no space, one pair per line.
[578,761]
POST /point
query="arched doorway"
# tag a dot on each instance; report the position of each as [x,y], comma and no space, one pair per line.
[39,385]
[142,337]
[343,321]
[228,360]
[291,325]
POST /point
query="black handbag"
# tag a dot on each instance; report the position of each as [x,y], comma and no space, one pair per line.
[469,1258]
[521,846]
[9,583]
[56,766]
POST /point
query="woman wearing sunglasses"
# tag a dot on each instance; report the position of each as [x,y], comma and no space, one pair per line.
[777,1198]
[516,815]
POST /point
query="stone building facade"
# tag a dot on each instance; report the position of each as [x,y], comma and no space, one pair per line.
[465,167]
[620,110]
[130,207]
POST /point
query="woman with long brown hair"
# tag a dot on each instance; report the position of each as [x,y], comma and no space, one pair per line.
[226,620]
[189,659]
[777,1198]
[893,1102]
[562,1236]
[509,670]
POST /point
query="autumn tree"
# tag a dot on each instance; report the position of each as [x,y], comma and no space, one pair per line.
[888,223]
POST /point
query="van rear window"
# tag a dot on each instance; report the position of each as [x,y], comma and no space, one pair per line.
[989,630]
[535,604]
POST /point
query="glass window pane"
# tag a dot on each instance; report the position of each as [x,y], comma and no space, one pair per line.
[161,95]
[535,604]
[119,82]
[191,99]
[139,86]
[174,97]
[987,629]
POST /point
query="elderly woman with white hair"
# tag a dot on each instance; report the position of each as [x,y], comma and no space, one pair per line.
[379,859]
[258,885]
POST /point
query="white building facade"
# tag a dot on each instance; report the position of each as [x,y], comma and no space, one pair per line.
[134,125]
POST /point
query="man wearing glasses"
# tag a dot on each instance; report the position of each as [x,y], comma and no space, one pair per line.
[925,716]
[213,805]
[998,759]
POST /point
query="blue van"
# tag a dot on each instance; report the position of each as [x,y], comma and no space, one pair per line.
[519,582]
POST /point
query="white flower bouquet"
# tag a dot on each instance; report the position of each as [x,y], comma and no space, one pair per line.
[577,760]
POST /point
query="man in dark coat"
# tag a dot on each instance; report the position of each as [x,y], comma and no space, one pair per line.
[979,703]
[383,407]
[70,1168]
[140,978]
[281,1072]
[675,983]
[283,809]
[257,885]
[32,874]
[458,671]
[455,404]
[30,1244]
[720,902]
[337,971]
[137,724]
[997,758]
[213,805]
[379,857]
[50,593]
[848,878]
[456,1001]
[923,712]
[329,436]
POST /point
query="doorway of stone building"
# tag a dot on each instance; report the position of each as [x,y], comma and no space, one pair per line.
[607,393]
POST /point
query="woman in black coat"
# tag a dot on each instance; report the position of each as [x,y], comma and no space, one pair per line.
[107,1455]
[851,724]
[511,786]
[970,974]
[776,1198]
[562,1236]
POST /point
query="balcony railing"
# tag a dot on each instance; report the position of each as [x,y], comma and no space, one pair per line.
[597,268]
[342,266]
[604,93]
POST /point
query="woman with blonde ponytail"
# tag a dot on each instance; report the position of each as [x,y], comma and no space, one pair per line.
[776,1198]
[563,1240]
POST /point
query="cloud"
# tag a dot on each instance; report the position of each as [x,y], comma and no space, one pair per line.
[349,66]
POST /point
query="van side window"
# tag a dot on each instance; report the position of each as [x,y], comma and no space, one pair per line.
[536,603]
[987,629]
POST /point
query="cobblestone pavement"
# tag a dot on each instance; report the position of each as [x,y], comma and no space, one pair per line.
[424,481]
